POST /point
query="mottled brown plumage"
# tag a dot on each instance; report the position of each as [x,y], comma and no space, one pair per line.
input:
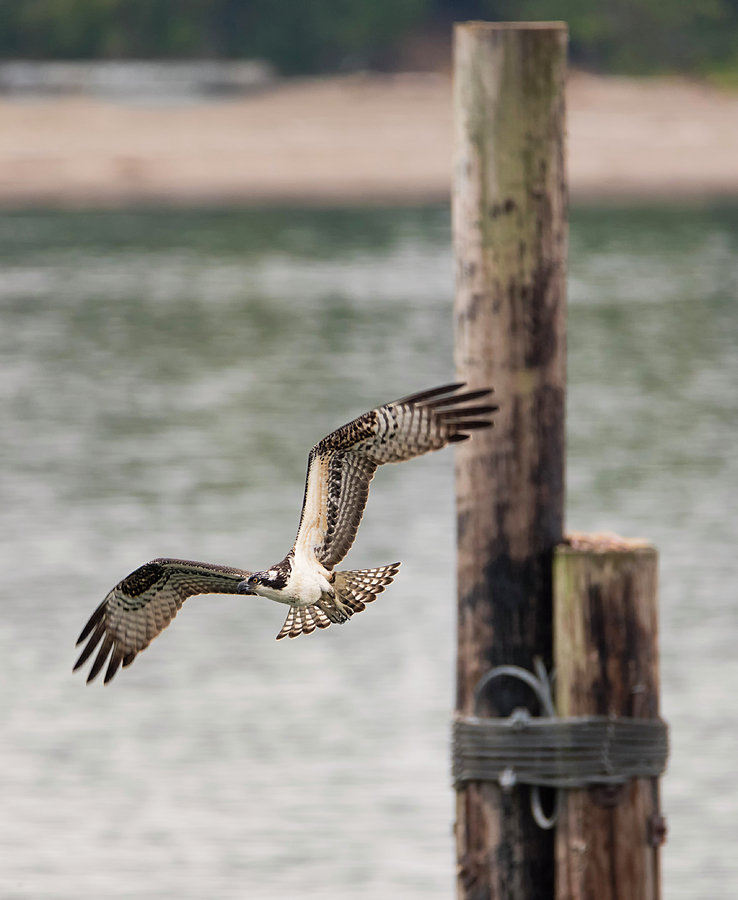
[340,469]
[142,605]
[343,463]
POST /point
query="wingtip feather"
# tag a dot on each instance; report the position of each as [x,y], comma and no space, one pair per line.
[92,621]
[466,397]
[476,425]
[100,659]
[115,661]
[422,396]
[91,645]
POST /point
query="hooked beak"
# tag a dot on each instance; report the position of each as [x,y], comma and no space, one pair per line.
[243,588]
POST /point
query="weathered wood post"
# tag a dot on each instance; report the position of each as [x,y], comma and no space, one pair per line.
[510,242]
[606,655]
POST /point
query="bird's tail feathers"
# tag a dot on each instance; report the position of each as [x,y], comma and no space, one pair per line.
[358,587]
[303,620]
[354,589]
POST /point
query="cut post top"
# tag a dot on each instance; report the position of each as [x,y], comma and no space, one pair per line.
[602,542]
[513,26]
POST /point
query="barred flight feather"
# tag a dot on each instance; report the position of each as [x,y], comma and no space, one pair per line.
[342,465]
[142,605]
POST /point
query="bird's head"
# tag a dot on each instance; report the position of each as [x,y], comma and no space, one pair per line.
[249,585]
[262,582]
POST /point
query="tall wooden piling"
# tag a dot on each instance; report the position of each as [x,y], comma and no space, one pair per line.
[606,655]
[510,239]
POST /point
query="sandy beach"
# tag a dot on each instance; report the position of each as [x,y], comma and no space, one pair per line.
[353,139]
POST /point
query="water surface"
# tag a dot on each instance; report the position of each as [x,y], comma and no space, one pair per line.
[162,377]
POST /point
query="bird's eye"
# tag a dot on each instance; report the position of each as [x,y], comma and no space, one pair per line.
[254,579]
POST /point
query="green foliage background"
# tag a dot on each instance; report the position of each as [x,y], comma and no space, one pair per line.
[303,36]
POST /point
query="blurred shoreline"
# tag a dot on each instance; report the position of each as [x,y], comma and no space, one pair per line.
[358,139]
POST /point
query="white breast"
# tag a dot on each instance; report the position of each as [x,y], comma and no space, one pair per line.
[307,583]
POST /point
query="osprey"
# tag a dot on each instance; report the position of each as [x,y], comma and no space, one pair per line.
[340,469]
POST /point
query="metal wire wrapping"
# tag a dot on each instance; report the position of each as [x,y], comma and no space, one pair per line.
[548,751]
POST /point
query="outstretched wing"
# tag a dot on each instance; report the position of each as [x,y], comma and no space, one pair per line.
[343,464]
[143,604]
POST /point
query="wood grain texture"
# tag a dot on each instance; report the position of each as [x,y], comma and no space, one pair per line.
[510,241]
[606,657]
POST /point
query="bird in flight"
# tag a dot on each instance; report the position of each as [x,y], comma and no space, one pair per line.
[340,468]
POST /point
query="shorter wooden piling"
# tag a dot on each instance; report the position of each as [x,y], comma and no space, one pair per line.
[606,659]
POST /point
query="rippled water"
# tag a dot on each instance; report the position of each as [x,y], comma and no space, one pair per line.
[162,377]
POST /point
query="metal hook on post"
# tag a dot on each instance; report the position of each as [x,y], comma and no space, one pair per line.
[540,683]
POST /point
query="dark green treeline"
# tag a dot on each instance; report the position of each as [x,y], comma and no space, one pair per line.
[307,36]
